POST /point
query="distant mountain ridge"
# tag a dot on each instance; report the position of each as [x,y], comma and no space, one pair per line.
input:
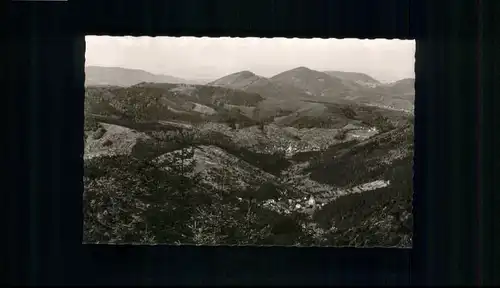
[124,77]
[250,82]
[290,88]
[277,94]
[287,90]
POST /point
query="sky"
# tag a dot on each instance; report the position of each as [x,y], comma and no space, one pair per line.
[212,58]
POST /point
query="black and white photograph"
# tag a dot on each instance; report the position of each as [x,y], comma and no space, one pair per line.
[248,141]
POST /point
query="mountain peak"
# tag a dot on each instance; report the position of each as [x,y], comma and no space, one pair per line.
[301,68]
[245,74]
[235,79]
[301,71]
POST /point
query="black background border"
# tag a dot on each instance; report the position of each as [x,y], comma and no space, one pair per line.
[46,58]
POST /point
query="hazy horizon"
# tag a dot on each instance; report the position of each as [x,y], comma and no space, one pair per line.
[211,58]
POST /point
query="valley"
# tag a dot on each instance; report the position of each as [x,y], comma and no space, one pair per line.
[301,158]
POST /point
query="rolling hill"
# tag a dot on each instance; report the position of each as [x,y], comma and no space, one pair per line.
[279,96]
[358,78]
[347,86]
[403,87]
[399,95]
[314,82]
